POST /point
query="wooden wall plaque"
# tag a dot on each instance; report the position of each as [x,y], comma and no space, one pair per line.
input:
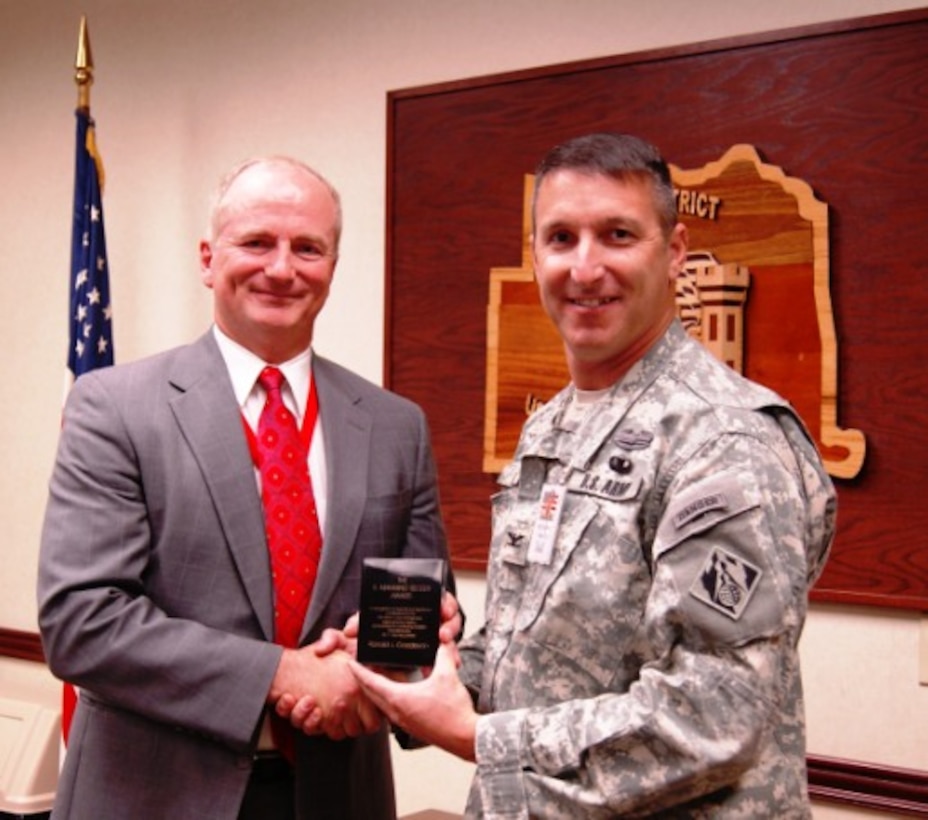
[755,291]
[842,106]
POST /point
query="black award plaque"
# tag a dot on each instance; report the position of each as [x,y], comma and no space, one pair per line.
[400,611]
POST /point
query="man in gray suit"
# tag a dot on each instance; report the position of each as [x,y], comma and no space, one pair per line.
[155,589]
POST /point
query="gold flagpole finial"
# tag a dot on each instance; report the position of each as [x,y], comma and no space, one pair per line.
[83,66]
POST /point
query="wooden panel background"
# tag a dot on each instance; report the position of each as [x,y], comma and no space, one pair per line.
[842,106]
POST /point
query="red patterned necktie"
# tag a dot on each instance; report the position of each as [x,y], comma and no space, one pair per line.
[293,536]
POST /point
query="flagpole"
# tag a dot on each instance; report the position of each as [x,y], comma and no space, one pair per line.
[83,77]
[83,67]
[90,325]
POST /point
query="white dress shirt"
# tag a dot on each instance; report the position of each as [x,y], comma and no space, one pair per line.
[244,368]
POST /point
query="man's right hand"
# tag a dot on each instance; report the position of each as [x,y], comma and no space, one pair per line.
[332,708]
[318,694]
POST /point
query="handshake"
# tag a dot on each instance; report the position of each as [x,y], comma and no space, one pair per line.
[321,689]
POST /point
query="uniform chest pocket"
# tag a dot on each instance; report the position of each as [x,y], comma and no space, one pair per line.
[508,549]
[582,611]
[539,578]
[517,583]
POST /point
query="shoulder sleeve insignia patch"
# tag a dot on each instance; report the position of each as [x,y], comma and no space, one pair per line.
[726,583]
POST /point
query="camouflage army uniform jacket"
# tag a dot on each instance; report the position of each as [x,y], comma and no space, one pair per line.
[642,660]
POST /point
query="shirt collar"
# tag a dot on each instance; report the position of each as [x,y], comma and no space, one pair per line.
[244,368]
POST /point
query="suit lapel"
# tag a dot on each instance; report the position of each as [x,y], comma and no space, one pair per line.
[347,430]
[209,419]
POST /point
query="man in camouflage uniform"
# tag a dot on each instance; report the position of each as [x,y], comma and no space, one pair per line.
[653,544]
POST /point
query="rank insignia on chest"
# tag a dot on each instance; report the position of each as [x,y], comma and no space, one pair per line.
[514,539]
[726,583]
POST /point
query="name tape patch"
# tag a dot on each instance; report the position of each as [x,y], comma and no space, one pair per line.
[606,485]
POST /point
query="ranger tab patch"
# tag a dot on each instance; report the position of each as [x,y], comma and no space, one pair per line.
[700,506]
[726,583]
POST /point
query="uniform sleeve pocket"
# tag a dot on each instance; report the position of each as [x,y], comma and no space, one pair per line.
[721,579]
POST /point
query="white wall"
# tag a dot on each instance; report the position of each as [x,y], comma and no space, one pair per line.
[183,90]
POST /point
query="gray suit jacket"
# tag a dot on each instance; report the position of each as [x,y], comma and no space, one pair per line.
[155,595]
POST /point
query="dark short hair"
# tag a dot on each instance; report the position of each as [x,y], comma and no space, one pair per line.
[616,155]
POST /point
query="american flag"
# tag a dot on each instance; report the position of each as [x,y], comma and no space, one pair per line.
[91,338]
[90,342]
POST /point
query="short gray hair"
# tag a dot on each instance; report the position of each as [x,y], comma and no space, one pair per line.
[278,159]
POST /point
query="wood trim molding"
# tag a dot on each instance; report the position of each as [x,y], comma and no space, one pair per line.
[868,785]
[832,780]
[26,646]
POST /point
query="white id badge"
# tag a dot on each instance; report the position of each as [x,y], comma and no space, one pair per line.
[547,521]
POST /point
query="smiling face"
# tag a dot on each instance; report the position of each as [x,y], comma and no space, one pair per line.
[605,269]
[271,257]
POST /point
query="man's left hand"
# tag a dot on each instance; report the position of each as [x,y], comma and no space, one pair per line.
[437,710]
